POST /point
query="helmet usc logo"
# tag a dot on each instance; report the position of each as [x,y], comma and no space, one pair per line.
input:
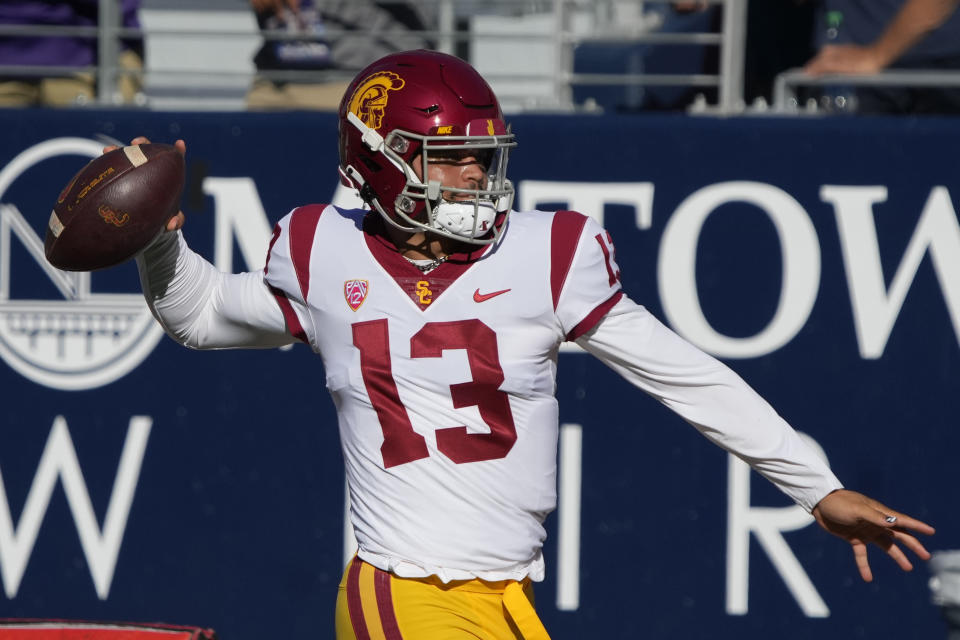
[370,98]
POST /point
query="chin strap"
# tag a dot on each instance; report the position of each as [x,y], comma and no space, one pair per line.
[371,139]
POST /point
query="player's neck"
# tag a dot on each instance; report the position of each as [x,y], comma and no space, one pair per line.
[420,245]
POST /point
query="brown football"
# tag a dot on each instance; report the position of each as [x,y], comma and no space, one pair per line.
[114,207]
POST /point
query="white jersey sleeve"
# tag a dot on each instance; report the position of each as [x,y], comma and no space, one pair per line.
[585,279]
[203,308]
[710,396]
[288,270]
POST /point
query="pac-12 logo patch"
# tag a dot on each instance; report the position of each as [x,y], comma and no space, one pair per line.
[355,292]
[370,98]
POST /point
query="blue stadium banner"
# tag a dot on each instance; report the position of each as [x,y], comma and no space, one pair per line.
[820,258]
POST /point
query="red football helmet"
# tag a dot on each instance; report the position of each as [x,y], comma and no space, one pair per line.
[404,108]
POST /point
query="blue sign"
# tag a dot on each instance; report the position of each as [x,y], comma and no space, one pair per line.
[820,258]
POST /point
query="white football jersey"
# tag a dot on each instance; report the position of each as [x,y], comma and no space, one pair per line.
[444,381]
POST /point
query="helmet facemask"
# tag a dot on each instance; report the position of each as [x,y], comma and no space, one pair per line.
[463,214]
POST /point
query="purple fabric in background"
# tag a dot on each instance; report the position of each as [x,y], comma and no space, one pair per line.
[55,50]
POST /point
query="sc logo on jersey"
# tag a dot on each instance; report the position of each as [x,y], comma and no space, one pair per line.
[84,340]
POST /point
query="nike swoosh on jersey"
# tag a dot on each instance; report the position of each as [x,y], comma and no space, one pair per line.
[483,297]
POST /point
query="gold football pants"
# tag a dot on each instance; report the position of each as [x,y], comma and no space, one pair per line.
[376,605]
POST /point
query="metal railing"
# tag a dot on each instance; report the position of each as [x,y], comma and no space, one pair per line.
[566,32]
[786,98]
[731,41]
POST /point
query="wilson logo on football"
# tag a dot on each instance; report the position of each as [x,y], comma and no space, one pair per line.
[370,98]
[355,292]
[83,192]
[117,219]
[83,339]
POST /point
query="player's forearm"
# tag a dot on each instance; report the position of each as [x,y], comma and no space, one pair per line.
[200,307]
[915,20]
[711,397]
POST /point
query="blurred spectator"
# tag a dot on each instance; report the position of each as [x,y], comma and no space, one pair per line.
[373,29]
[70,51]
[867,36]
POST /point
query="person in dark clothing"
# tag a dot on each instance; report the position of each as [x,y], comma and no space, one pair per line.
[867,36]
[20,90]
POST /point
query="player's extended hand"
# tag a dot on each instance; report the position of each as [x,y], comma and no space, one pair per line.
[861,520]
[178,220]
[844,58]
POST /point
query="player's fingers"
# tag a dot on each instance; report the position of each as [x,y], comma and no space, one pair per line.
[179,144]
[860,557]
[912,543]
[899,557]
[901,521]
[110,148]
[893,519]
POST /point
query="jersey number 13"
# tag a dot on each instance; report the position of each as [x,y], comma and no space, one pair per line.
[401,444]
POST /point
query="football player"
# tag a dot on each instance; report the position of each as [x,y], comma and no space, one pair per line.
[438,280]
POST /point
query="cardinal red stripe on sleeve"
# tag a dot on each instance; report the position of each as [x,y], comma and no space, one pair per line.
[594,317]
[388,617]
[564,236]
[293,321]
[303,228]
[608,260]
[354,605]
[273,241]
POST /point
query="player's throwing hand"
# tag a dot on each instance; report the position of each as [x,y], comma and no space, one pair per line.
[177,221]
[861,520]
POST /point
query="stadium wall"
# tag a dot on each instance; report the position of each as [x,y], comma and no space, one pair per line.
[819,257]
